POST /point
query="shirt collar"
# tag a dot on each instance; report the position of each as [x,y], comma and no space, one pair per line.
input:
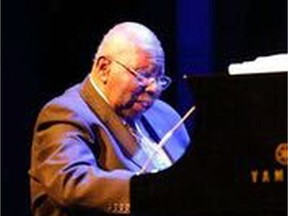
[98,89]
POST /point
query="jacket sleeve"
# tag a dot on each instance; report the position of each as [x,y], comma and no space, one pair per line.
[63,163]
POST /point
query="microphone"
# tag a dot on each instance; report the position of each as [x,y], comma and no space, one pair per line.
[165,138]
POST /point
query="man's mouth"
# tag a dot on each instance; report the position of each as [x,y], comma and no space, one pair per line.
[136,107]
[140,102]
[143,104]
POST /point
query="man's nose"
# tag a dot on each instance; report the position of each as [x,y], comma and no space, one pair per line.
[153,87]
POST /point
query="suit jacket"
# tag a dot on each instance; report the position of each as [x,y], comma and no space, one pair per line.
[82,154]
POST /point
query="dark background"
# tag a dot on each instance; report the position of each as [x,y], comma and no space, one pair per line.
[48,45]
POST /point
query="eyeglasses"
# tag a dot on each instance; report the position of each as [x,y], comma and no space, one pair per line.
[162,82]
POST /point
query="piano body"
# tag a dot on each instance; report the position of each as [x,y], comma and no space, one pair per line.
[237,162]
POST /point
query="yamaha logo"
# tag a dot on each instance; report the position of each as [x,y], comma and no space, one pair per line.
[281,154]
[269,174]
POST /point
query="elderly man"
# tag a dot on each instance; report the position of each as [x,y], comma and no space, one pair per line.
[92,139]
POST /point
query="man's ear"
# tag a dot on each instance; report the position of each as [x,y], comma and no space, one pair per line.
[103,63]
[103,68]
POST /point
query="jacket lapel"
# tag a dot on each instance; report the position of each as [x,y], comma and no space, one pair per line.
[109,118]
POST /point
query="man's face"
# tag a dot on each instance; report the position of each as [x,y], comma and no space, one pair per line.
[129,96]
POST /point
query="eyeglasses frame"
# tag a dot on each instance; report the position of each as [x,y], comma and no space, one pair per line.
[139,77]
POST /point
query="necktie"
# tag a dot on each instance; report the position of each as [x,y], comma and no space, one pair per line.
[159,159]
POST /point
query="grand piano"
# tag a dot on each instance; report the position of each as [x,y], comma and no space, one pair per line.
[237,161]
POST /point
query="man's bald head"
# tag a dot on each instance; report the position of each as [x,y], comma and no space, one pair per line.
[128,36]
